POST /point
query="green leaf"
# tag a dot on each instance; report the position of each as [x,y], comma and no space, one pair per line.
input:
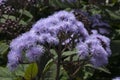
[113,14]
[26,13]
[31,71]
[3,48]
[70,55]
[23,22]
[51,73]
[20,71]
[67,53]
[54,53]
[47,66]
[99,68]
[63,74]
[64,4]
[104,70]
[9,17]
[2,20]
[5,74]
[87,72]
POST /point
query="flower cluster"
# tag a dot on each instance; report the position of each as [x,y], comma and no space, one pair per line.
[62,28]
[95,47]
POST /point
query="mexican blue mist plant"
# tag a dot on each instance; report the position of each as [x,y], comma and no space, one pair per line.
[60,32]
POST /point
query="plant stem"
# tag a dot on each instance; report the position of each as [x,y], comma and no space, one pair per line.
[58,66]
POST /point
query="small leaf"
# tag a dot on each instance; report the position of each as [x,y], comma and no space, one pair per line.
[99,68]
[31,71]
[26,13]
[54,53]
[3,48]
[51,73]
[9,17]
[5,74]
[67,53]
[113,14]
[104,70]
[47,66]
[20,71]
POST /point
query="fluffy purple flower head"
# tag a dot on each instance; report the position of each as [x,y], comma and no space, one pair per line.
[18,46]
[23,41]
[93,46]
[83,50]
[99,55]
[104,41]
[82,29]
[14,57]
[60,23]
[48,38]
[34,53]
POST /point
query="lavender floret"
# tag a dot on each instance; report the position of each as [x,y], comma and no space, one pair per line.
[34,53]
[83,50]
[14,57]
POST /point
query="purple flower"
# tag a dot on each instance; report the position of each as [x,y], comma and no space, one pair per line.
[34,53]
[47,38]
[82,29]
[48,29]
[60,28]
[14,57]
[93,46]
[23,41]
[83,50]
[2,1]
[99,55]
[116,78]
[105,42]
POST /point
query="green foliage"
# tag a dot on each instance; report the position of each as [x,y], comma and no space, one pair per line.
[51,73]
[27,14]
[3,48]
[31,71]
[48,66]
[103,69]
[5,74]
